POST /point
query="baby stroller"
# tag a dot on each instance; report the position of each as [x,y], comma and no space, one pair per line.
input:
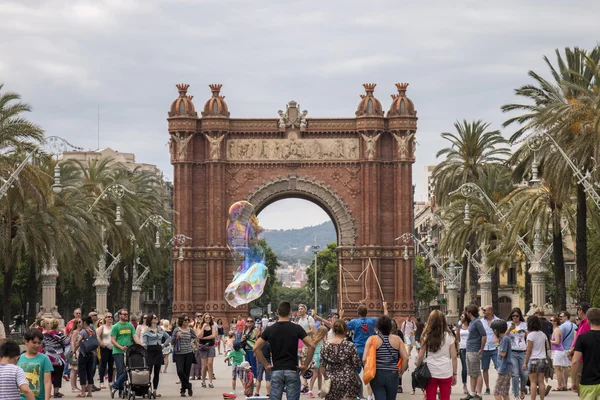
[138,374]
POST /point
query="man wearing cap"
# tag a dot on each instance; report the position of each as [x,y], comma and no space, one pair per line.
[584,327]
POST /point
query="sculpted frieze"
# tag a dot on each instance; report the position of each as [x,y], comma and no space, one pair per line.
[292,149]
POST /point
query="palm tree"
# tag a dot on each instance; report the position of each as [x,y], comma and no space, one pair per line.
[473,150]
[18,137]
[567,109]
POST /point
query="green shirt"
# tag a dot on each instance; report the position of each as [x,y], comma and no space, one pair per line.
[123,332]
[237,356]
[34,369]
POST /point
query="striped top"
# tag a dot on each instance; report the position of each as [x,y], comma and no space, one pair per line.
[387,355]
[11,378]
[183,345]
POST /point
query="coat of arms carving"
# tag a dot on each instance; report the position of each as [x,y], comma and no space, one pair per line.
[292,117]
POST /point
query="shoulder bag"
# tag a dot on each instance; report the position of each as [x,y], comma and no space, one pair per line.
[371,364]
[89,344]
[421,374]
[326,384]
[549,371]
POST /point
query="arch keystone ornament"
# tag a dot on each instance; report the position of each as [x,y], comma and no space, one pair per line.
[358,169]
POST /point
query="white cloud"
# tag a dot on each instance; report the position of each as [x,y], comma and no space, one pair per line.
[462,59]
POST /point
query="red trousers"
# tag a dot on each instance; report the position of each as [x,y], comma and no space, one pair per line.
[445,386]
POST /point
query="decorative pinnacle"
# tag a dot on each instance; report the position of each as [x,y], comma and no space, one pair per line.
[182,88]
[215,88]
[401,87]
[369,87]
[395,96]
[190,97]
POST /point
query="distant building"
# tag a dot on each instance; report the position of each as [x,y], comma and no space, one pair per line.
[127,160]
[429,186]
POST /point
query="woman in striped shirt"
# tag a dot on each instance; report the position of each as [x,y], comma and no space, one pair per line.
[184,355]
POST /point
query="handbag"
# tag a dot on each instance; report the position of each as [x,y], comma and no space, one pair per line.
[371,365]
[421,375]
[325,386]
[89,344]
[549,371]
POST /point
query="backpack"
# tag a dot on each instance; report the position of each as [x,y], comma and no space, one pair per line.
[89,344]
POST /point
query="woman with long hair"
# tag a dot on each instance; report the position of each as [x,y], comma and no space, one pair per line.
[390,348]
[339,362]
[54,348]
[463,333]
[438,350]
[73,357]
[220,335]
[517,332]
[206,347]
[183,354]
[559,355]
[153,339]
[318,339]
[104,341]
[167,349]
[535,356]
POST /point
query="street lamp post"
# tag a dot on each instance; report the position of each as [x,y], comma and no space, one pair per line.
[315,249]
[451,277]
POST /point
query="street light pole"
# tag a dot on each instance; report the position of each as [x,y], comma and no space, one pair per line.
[315,251]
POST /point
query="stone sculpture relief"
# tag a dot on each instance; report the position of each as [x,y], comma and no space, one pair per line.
[179,141]
[292,149]
[291,118]
[370,141]
[403,146]
[215,146]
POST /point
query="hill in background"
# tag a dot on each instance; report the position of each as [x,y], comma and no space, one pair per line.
[290,244]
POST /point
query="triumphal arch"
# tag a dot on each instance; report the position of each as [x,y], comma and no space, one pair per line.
[359,170]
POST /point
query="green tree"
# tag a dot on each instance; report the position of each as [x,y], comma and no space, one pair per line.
[427,290]
[327,263]
[567,109]
[473,150]
[269,292]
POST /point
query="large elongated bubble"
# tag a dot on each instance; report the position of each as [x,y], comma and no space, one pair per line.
[251,275]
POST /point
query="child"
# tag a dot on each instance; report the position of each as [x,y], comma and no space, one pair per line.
[504,363]
[237,358]
[37,366]
[247,379]
[9,372]
[319,339]
[229,346]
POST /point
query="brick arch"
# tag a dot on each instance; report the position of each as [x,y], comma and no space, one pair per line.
[318,192]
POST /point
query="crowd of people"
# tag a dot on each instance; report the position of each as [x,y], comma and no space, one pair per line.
[303,353]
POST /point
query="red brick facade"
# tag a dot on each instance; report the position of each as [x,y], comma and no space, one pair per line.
[359,170]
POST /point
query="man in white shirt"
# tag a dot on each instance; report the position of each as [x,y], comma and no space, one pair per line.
[264,323]
[490,351]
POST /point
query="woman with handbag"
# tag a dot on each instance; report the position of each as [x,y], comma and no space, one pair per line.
[389,350]
[536,357]
[153,339]
[206,348]
[438,352]
[106,359]
[339,362]
[87,343]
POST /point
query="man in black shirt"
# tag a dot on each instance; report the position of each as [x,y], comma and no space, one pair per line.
[588,343]
[283,337]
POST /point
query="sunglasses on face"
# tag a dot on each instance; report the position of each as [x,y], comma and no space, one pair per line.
[514,316]
[250,322]
[124,314]
[186,320]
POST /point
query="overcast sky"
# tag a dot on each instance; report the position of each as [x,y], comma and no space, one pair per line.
[462,59]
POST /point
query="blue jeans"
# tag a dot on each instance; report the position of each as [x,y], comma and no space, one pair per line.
[251,358]
[290,380]
[121,373]
[489,355]
[384,384]
[463,362]
[518,358]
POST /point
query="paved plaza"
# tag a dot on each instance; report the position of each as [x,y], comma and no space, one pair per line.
[170,390]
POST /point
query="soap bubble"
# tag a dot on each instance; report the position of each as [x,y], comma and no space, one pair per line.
[247,286]
[251,275]
[324,284]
